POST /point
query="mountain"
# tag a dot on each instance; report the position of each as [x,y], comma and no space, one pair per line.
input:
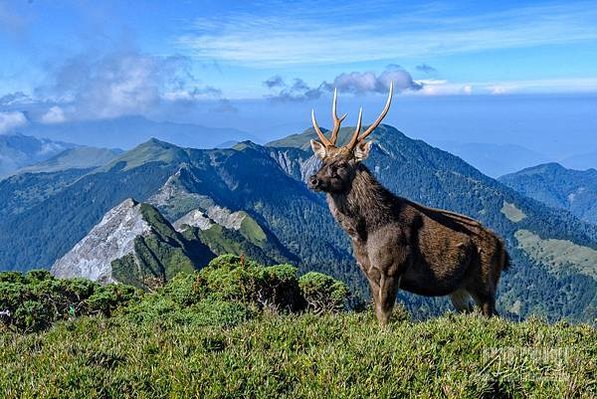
[132,244]
[18,151]
[267,184]
[494,159]
[129,131]
[73,158]
[226,232]
[558,187]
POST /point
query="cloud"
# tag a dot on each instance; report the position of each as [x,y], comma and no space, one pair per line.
[17,97]
[11,120]
[426,68]
[274,81]
[54,115]
[299,34]
[365,82]
[299,90]
[195,94]
[121,83]
[353,82]
[442,87]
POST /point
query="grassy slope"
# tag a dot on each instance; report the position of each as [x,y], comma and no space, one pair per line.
[344,355]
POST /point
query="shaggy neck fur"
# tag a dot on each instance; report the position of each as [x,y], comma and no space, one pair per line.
[367,203]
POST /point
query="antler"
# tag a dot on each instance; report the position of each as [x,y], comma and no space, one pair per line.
[335,129]
[356,138]
[337,121]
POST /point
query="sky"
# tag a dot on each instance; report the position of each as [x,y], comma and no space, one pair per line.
[495,72]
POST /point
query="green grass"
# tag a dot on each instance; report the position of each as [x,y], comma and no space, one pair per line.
[345,355]
[251,230]
[239,329]
[559,254]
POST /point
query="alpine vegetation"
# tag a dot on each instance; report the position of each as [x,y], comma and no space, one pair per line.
[399,243]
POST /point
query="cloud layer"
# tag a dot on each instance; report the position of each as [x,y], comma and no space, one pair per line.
[352,82]
[10,121]
[291,35]
[119,83]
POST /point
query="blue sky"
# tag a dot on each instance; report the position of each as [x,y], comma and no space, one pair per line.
[234,62]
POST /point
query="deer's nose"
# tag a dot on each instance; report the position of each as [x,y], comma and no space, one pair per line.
[313,181]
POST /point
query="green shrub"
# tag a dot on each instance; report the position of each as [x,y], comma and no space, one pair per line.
[323,293]
[230,277]
[36,300]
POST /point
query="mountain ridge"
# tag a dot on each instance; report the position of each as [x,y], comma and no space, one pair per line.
[558,187]
[247,177]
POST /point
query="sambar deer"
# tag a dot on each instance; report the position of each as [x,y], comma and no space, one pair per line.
[399,243]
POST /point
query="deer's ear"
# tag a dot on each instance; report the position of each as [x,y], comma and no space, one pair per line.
[318,149]
[361,152]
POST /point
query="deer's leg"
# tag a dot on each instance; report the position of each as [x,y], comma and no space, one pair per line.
[360,250]
[461,300]
[388,289]
[486,301]
[389,258]
[374,292]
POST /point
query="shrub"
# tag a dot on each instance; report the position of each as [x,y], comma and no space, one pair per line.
[230,277]
[37,299]
[323,293]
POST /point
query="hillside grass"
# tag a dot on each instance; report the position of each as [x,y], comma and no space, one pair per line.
[346,355]
[559,255]
[238,329]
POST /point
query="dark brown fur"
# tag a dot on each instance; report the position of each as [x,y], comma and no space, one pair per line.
[401,244]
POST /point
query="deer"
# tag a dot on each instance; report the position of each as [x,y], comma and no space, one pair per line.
[398,243]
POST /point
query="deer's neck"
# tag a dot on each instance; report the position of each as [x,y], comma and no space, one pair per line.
[365,205]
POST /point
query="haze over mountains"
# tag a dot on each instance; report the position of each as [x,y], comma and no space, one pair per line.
[128,131]
[558,187]
[17,151]
[44,215]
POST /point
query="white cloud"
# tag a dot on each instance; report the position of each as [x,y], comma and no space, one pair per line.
[11,120]
[441,87]
[288,35]
[352,82]
[363,82]
[499,89]
[433,87]
[54,115]
[120,83]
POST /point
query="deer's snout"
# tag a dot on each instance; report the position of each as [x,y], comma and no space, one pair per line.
[314,182]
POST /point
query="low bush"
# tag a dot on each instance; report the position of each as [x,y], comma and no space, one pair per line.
[323,293]
[33,301]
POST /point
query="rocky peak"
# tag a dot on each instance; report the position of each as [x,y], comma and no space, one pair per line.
[112,238]
[194,218]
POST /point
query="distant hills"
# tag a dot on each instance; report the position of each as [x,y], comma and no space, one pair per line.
[28,154]
[128,131]
[43,216]
[558,187]
[18,151]
[82,157]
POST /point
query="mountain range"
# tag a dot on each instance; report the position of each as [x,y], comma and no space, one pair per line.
[252,199]
[127,131]
[17,151]
[559,187]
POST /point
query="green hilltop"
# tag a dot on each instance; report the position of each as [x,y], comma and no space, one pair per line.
[239,329]
[44,215]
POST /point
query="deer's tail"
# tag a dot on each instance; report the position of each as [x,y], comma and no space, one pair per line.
[505,262]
